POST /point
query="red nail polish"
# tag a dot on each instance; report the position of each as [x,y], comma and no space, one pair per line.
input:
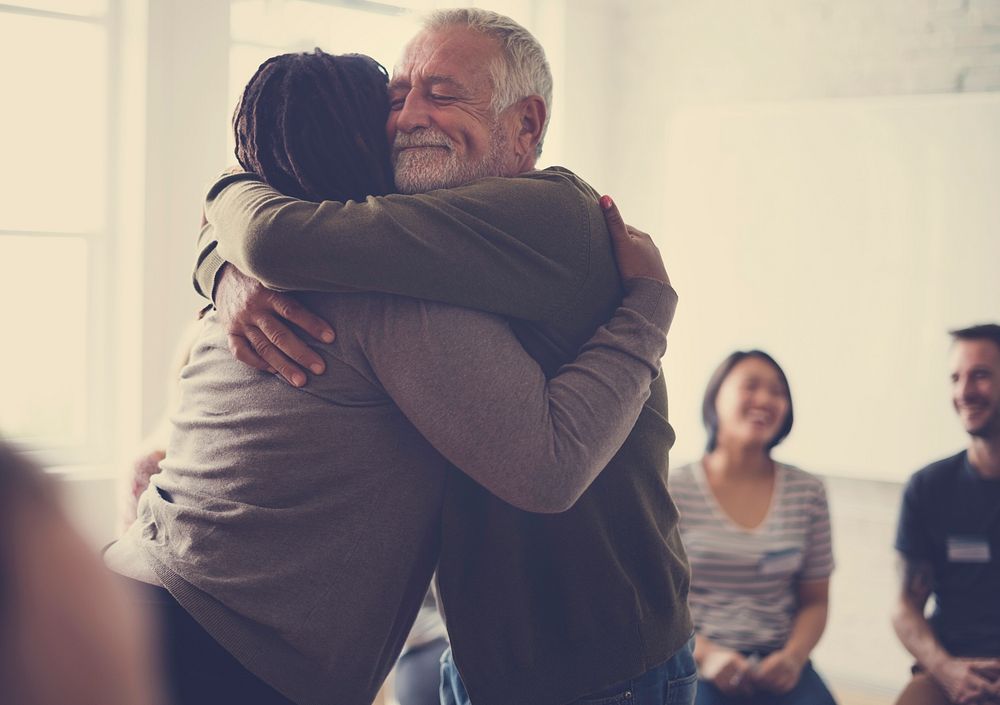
[606,202]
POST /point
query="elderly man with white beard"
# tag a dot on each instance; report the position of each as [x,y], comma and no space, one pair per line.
[542,609]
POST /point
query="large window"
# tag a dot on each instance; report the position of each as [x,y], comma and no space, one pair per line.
[54,224]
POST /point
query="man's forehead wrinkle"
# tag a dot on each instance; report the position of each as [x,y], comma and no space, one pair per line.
[438,79]
[442,52]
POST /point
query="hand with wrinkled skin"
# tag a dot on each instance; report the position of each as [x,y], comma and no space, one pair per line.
[256,321]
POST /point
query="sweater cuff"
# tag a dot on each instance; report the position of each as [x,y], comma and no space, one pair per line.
[207,274]
[654,300]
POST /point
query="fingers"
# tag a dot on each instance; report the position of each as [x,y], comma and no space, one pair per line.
[635,253]
[733,678]
[616,224]
[287,343]
[291,310]
[637,234]
[987,668]
[274,358]
[242,350]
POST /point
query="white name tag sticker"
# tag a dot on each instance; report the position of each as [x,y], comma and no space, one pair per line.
[968,549]
[786,561]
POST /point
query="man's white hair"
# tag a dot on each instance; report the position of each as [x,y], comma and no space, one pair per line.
[522,68]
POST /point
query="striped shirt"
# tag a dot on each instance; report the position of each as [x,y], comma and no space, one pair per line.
[744,581]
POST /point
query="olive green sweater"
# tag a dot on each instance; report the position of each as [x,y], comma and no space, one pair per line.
[541,608]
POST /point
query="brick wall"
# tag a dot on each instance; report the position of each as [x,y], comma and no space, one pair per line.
[673,52]
[777,49]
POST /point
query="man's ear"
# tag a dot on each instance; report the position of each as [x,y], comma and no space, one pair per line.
[531,116]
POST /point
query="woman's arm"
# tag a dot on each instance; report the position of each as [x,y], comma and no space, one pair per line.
[780,671]
[470,388]
[464,381]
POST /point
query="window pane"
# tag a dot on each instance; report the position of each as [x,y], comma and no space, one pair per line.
[298,25]
[87,8]
[379,36]
[55,145]
[44,282]
[252,20]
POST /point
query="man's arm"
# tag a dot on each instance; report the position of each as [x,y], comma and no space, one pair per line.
[517,246]
[960,678]
[464,381]
[512,246]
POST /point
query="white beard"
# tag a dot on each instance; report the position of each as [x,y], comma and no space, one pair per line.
[437,165]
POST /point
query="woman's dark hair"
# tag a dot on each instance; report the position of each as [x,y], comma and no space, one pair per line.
[709,415]
[313,126]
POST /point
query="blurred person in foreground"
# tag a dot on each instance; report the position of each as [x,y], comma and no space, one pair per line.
[289,539]
[589,603]
[69,634]
[948,542]
[757,532]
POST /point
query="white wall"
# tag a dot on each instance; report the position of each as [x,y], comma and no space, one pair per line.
[751,138]
[845,236]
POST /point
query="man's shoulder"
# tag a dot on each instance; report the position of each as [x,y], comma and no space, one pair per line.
[561,176]
[941,470]
[932,479]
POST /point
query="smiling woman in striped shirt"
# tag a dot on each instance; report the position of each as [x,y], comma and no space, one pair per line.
[757,534]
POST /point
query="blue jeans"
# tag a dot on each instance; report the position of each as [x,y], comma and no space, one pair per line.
[810,690]
[418,674]
[673,682]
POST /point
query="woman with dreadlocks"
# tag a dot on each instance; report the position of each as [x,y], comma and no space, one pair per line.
[290,538]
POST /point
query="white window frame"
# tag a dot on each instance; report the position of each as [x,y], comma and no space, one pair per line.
[100,392]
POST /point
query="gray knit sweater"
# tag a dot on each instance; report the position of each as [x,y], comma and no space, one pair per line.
[301,527]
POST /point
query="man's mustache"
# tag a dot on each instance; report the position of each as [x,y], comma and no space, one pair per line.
[421,138]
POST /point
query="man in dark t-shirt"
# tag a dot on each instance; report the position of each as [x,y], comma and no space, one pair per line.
[949,543]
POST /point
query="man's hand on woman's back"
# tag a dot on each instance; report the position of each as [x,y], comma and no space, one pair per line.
[257,322]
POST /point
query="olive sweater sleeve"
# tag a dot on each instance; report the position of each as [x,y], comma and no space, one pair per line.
[516,246]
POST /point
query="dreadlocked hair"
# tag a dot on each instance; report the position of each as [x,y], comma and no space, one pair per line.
[312,125]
